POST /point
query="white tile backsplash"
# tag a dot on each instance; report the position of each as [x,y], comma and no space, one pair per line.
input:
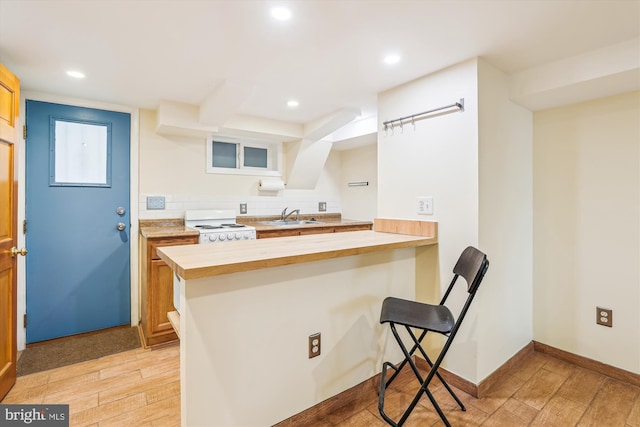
[176,204]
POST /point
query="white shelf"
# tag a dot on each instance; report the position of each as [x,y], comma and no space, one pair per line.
[174,319]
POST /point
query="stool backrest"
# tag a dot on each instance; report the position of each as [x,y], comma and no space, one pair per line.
[472,265]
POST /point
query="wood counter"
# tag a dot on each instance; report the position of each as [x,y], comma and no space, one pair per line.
[197,261]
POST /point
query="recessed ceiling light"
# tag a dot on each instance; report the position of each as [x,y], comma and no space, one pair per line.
[293,103]
[75,74]
[281,13]
[391,59]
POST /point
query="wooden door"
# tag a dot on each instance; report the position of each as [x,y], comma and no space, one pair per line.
[9,102]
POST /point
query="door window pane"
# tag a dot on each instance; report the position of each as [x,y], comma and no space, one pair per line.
[224,155]
[255,157]
[80,154]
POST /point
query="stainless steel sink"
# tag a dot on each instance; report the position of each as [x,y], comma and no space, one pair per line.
[281,223]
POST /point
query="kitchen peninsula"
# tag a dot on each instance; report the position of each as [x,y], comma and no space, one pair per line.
[248,308]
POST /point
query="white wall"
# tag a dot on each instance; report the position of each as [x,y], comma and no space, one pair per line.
[438,159]
[174,167]
[586,169]
[359,164]
[505,221]
[476,165]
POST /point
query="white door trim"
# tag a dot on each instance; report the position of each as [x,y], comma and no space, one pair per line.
[133,205]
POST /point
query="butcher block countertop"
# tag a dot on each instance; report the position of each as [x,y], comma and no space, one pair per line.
[325,221]
[158,232]
[197,261]
[159,228]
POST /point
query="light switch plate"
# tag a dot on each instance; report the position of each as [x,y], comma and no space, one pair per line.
[322,206]
[155,202]
[425,205]
[243,208]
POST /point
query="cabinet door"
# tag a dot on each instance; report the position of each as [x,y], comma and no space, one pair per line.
[160,297]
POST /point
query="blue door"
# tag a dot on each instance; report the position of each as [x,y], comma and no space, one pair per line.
[77,212]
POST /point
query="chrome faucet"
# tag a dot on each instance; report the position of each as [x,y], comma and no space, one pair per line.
[284,215]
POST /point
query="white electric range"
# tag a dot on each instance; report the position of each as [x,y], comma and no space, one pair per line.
[214,226]
[217,226]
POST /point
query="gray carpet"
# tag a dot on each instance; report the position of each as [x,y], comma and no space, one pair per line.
[65,352]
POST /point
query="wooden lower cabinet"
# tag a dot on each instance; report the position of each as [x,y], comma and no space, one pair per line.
[157,290]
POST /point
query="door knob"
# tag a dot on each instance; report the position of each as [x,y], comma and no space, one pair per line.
[15,252]
[121,226]
[121,211]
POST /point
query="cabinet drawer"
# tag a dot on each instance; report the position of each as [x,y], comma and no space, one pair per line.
[358,227]
[316,230]
[266,234]
[154,244]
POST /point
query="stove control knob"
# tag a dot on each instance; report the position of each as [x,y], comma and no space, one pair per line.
[238,236]
[213,238]
[230,236]
[222,237]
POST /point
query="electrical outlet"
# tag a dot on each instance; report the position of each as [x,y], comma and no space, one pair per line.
[425,205]
[604,316]
[322,206]
[155,202]
[314,345]
[243,208]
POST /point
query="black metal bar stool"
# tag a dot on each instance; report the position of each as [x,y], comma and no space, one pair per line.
[472,265]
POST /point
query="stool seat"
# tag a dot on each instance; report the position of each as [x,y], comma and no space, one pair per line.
[436,318]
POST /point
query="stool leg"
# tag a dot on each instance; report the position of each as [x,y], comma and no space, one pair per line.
[383,388]
[384,383]
[424,354]
[404,362]
[424,383]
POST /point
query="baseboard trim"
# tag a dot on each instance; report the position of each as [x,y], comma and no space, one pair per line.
[585,362]
[479,390]
[326,407]
[372,385]
[486,384]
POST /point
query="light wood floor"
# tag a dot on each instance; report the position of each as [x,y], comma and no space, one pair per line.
[136,388]
[141,388]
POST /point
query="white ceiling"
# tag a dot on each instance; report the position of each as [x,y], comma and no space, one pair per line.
[329,56]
